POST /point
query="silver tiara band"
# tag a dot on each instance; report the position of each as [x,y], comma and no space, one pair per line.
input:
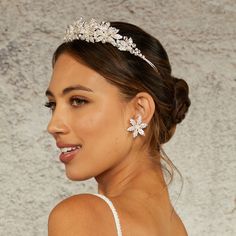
[93,32]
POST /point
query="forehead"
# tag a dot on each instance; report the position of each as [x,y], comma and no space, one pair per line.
[68,71]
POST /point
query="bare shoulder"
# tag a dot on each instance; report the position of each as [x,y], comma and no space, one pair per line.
[83,214]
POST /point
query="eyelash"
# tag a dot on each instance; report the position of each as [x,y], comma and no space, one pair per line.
[78,99]
[52,105]
[49,105]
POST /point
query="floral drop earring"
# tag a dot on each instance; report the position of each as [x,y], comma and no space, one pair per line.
[137,127]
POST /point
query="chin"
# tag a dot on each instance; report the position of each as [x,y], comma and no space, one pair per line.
[77,175]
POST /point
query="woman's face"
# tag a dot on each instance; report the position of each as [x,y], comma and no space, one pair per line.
[87,112]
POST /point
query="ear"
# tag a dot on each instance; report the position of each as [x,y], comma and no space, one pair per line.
[143,104]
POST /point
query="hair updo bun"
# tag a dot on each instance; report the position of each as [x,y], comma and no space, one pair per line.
[182,101]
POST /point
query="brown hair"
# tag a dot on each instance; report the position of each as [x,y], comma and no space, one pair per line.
[132,75]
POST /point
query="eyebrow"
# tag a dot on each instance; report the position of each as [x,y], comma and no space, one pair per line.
[69,89]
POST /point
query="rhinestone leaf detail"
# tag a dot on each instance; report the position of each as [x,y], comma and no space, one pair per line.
[93,31]
[137,127]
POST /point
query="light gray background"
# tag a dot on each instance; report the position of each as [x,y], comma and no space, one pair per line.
[199,37]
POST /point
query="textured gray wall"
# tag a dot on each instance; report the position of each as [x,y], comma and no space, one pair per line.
[200,38]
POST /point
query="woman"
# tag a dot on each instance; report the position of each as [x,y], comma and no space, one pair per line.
[114,103]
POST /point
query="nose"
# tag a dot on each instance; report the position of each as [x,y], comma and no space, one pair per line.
[57,124]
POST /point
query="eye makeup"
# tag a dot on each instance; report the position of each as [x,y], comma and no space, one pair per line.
[75,101]
[50,105]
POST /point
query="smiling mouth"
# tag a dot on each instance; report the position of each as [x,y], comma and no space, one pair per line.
[68,153]
[65,150]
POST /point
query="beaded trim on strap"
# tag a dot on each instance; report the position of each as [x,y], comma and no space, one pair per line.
[115,214]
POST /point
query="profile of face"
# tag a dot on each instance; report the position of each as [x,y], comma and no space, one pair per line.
[89,112]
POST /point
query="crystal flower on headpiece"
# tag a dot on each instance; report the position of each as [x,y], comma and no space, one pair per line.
[93,32]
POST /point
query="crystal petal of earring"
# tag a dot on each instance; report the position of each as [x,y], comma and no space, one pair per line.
[137,127]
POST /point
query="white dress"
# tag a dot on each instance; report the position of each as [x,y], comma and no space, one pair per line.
[114,212]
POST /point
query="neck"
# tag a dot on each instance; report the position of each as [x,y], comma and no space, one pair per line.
[139,174]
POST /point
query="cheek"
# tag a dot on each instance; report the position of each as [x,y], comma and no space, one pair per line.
[102,132]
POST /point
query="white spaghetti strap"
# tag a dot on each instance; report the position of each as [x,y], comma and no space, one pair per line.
[114,212]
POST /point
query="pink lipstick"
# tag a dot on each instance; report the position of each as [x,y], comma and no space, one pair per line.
[66,157]
[68,151]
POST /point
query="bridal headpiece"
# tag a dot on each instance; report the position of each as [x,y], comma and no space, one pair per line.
[93,32]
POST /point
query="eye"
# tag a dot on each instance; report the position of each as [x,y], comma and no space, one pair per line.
[50,105]
[77,101]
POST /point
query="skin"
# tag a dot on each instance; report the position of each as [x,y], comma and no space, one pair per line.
[120,164]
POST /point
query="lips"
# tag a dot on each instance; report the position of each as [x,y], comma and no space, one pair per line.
[68,151]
